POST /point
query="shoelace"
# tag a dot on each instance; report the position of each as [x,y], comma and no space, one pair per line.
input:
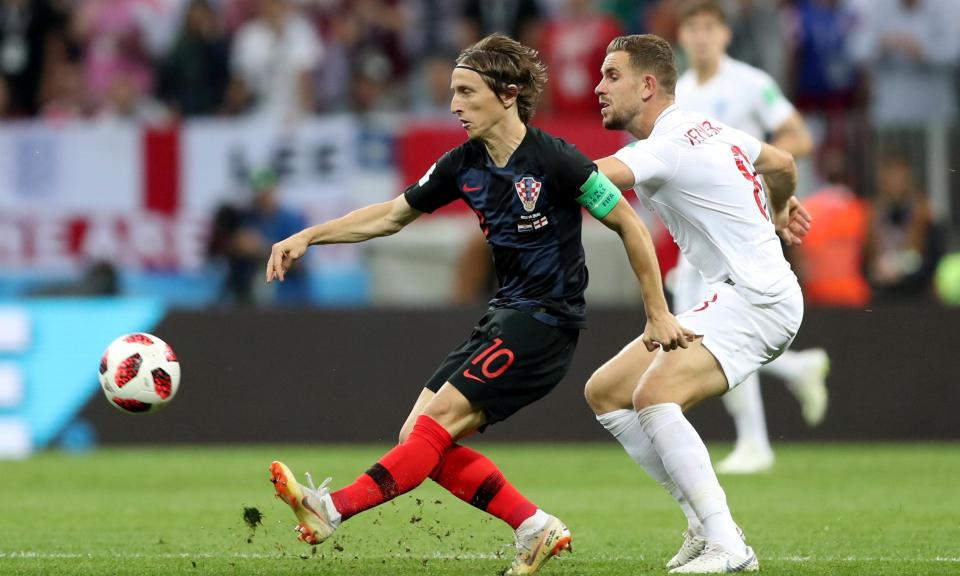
[317,492]
[690,539]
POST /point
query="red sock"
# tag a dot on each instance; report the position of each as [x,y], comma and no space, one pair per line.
[473,478]
[400,470]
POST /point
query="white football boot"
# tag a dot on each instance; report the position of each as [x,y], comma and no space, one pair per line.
[810,388]
[318,519]
[536,546]
[716,560]
[746,459]
[693,544]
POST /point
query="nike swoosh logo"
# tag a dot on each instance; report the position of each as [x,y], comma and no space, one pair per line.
[741,566]
[533,554]
[469,189]
[472,377]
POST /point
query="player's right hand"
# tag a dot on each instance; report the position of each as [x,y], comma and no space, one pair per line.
[283,254]
[666,333]
[792,222]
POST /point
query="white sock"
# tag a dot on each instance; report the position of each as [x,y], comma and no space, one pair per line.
[535,522]
[686,459]
[745,405]
[625,426]
[332,513]
[788,366]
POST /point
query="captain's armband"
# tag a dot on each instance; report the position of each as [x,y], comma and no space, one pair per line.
[599,196]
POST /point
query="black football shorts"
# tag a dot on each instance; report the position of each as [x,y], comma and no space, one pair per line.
[509,361]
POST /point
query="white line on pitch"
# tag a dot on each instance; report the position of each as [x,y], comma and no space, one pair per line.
[435,556]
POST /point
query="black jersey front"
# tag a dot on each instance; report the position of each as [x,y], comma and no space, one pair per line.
[529,214]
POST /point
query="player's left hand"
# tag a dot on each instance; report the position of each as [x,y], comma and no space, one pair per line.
[666,333]
[792,222]
[283,254]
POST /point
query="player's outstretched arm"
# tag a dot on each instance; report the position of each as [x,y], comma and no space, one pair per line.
[371,221]
[662,328]
[618,172]
[780,174]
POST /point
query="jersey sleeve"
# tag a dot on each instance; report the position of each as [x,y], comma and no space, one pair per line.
[573,168]
[437,187]
[750,145]
[772,107]
[650,164]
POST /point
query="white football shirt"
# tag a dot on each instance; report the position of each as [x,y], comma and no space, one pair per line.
[271,63]
[697,175]
[738,95]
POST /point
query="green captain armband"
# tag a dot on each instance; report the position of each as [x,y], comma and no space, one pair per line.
[599,196]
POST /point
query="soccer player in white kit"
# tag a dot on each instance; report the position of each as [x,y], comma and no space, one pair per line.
[748,99]
[701,178]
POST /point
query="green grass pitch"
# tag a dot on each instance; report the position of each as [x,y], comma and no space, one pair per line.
[825,509]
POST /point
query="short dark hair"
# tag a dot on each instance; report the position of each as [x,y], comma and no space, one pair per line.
[697,7]
[649,53]
[502,61]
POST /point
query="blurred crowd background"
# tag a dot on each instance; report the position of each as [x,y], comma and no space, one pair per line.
[876,81]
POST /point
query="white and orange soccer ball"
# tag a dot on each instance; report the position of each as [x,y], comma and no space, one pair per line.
[139,373]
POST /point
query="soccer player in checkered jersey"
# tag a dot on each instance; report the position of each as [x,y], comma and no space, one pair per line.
[748,99]
[528,190]
[700,177]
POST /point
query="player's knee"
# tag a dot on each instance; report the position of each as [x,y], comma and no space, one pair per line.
[599,391]
[650,391]
[448,410]
[593,391]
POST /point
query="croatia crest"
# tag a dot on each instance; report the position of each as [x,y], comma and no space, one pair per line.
[528,190]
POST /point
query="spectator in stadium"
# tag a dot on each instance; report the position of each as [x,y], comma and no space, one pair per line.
[241,237]
[235,251]
[4,98]
[433,28]
[272,63]
[111,34]
[270,222]
[193,74]
[573,43]
[372,86]
[66,97]
[910,50]
[365,59]
[824,75]
[830,262]
[236,13]
[124,102]
[430,88]
[760,34]
[904,244]
[662,18]
[523,345]
[26,27]
[520,19]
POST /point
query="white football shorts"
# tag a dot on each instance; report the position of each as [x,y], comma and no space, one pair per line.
[744,336]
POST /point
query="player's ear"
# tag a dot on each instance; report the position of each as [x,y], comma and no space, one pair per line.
[509,96]
[648,87]
[727,35]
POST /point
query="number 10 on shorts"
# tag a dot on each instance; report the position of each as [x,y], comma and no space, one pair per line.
[493,361]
